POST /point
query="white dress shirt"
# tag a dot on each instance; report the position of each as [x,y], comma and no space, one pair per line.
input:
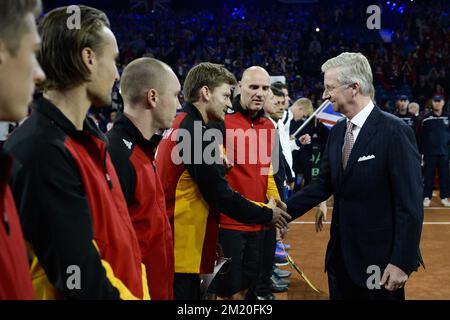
[359,120]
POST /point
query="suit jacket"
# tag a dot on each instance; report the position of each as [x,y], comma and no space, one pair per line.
[378,210]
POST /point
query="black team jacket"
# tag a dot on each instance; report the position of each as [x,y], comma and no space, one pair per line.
[73,213]
[134,159]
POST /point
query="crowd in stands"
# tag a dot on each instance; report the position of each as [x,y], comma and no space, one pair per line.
[294,40]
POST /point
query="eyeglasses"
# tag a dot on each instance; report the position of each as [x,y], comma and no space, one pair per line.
[329,89]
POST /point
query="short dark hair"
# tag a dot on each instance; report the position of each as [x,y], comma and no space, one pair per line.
[60,54]
[12,21]
[205,74]
[277,91]
[279,85]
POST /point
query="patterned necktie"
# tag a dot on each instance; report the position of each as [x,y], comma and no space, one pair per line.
[348,143]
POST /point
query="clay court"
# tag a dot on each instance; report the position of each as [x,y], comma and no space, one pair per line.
[308,251]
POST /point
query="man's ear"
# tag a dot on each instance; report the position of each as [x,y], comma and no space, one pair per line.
[89,59]
[356,89]
[205,93]
[152,98]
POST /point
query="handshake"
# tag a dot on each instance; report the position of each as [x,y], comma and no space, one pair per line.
[280,217]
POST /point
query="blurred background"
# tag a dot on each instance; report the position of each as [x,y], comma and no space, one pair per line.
[409,55]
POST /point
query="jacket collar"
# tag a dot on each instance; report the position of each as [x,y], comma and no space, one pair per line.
[5,168]
[148,146]
[433,114]
[49,110]
[192,110]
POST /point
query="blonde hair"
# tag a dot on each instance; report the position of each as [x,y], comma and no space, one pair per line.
[414,105]
[306,104]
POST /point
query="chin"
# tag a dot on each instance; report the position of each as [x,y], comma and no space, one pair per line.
[255,108]
[99,102]
[16,115]
[167,125]
[219,117]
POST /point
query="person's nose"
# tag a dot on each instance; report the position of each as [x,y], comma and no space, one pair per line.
[260,93]
[39,74]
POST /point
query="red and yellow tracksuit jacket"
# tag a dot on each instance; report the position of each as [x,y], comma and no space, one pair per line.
[196,191]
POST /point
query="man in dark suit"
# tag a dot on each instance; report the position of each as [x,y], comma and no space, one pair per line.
[371,165]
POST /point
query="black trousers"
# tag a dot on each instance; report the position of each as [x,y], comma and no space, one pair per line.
[268,245]
[430,164]
[342,287]
[186,286]
[242,270]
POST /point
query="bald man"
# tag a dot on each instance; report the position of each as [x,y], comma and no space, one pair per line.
[150,92]
[249,142]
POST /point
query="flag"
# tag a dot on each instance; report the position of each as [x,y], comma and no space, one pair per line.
[328,116]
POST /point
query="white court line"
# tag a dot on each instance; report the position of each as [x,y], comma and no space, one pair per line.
[425,223]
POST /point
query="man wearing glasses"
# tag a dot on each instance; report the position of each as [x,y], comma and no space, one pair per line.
[371,165]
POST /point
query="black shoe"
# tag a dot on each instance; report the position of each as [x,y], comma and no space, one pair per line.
[269,296]
[280,281]
[277,288]
[280,273]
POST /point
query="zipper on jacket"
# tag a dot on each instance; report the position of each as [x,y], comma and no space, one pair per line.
[105,168]
[6,223]
[251,121]
[108,179]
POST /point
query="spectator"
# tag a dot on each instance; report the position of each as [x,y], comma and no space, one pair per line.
[414,109]
[434,134]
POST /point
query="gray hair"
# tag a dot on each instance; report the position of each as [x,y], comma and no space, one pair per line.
[352,68]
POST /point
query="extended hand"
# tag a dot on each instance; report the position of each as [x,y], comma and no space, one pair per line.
[281,205]
[279,216]
[394,278]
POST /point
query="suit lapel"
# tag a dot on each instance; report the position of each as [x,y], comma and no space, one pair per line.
[364,136]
